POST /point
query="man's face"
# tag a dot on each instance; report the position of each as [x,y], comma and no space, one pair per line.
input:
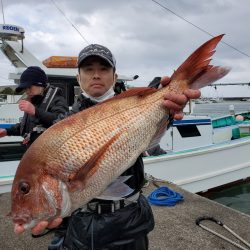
[34,90]
[96,76]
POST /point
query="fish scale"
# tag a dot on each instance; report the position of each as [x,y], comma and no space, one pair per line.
[76,159]
[78,143]
[124,152]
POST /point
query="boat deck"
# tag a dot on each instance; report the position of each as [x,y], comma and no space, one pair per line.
[175,226]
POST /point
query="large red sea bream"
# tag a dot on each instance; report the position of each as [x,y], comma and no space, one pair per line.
[76,159]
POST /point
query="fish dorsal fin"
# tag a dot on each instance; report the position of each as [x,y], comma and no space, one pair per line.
[197,64]
[139,91]
[77,181]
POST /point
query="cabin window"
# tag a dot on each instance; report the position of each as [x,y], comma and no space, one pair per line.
[11,151]
[188,131]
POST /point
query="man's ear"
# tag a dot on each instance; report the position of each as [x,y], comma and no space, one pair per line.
[78,78]
[115,77]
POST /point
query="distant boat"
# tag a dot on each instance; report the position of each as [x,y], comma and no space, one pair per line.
[216,100]
[9,116]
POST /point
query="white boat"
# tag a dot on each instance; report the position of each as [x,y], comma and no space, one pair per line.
[220,161]
[201,154]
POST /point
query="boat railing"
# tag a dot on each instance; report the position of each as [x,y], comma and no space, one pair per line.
[11,151]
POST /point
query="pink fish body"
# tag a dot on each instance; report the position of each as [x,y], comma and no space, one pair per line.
[76,159]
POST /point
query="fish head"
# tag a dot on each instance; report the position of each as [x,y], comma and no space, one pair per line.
[36,197]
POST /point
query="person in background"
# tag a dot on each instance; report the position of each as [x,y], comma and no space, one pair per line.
[108,224]
[42,106]
[155,151]
[119,87]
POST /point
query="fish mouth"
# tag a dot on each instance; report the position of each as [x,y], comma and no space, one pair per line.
[26,221]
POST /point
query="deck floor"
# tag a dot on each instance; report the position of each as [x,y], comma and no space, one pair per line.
[175,226]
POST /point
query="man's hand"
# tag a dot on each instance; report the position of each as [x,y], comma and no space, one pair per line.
[40,227]
[27,107]
[3,132]
[176,102]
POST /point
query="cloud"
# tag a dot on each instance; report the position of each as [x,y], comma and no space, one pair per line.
[145,38]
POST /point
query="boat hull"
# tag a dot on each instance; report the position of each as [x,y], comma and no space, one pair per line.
[204,168]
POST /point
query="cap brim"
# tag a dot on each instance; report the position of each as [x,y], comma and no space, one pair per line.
[85,57]
[18,90]
[22,86]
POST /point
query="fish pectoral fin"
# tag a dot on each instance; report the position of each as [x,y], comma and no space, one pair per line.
[123,178]
[116,190]
[78,180]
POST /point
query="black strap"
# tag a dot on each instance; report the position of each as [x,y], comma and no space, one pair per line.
[23,123]
[45,232]
[48,98]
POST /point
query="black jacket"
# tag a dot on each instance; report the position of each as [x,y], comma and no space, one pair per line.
[124,229]
[48,107]
[127,226]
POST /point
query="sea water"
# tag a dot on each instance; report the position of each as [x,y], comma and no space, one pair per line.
[238,195]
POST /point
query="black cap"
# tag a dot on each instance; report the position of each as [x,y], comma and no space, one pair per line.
[96,50]
[32,76]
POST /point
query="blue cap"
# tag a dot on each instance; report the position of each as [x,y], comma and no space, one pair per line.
[33,75]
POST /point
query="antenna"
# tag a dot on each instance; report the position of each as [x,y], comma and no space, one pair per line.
[199,28]
[69,21]
[2,11]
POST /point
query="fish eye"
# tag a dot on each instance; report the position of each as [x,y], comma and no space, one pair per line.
[24,187]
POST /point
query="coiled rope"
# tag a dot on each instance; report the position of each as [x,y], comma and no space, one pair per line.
[164,196]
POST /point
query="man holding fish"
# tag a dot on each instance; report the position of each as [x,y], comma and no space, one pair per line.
[97,75]
[108,145]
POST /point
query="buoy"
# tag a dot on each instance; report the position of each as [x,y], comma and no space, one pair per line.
[239,118]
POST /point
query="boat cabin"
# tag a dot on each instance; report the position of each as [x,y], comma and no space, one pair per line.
[191,132]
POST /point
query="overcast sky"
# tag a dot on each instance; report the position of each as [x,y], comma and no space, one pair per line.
[145,38]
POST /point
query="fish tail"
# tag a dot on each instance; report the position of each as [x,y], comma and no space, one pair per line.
[196,70]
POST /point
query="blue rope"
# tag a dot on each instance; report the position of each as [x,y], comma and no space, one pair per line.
[163,196]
